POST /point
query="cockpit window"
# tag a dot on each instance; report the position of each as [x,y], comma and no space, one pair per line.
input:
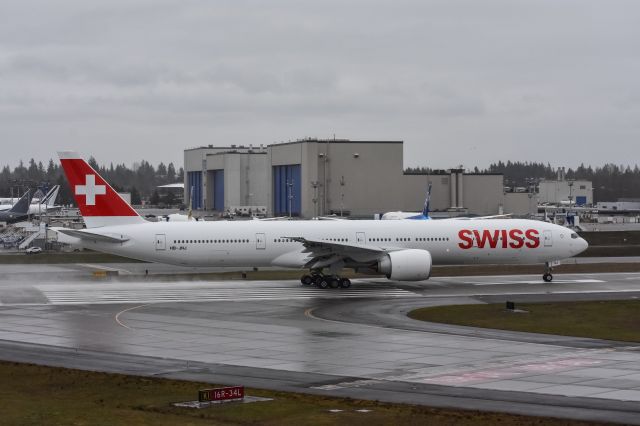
[574,236]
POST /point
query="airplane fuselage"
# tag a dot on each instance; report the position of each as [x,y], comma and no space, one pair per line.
[267,243]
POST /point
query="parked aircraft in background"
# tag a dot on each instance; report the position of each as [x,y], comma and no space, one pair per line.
[423,215]
[403,250]
[46,204]
[19,211]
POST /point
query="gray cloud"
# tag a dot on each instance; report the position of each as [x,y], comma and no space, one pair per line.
[462,82]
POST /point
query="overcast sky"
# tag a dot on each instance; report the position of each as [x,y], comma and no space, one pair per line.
[461,82]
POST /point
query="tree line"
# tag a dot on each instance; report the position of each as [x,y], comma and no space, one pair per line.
[610,181]
[141,180]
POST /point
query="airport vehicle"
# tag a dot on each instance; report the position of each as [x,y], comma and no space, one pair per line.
[33,250]
[19,211]
[47,204]
[403,250]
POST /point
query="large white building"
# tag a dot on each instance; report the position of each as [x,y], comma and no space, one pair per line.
[314,177]
[622,205]
[564,191]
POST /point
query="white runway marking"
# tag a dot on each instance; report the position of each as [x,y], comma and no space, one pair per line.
[97,267]
[180,294]
[556,281]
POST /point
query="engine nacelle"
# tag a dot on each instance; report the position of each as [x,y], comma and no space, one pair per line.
[406,265]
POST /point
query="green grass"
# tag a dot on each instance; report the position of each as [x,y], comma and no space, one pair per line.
[37,395]
[611,320]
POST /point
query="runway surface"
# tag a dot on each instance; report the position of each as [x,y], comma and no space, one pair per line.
[353,342]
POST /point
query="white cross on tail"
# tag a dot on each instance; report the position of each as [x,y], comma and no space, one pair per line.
[90,190]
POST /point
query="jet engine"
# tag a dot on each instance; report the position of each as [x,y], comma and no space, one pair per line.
[406,265]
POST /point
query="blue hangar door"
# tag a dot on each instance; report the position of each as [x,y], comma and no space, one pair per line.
[218,190]
[194,180]
[286,190]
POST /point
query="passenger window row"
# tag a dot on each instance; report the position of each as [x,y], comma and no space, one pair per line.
[242,241]
[340,240]
[288,240]
[409,239]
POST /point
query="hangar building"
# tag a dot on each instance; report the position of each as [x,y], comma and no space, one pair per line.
[565,191]
[314,177]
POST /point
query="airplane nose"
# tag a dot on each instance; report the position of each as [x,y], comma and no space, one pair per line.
[583,245]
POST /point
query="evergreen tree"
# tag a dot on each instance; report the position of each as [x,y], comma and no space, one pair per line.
[171,173]
[155,198]
[135,196]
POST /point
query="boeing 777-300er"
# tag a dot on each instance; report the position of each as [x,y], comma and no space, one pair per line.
[403,250]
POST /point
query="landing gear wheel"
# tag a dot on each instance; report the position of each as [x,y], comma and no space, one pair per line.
[306,280]
[345,283]
[317,279]
[334,282]
[547,277]
[324,282]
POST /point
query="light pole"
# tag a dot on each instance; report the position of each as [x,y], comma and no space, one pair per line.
[314,185]
[342,184]
[570,193]
[290,196]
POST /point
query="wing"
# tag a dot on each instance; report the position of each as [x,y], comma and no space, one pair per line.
[323,254]
[495,216]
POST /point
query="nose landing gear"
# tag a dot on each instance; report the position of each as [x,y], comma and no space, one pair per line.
[547,276]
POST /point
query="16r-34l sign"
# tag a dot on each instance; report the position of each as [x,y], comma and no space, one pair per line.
[221,394]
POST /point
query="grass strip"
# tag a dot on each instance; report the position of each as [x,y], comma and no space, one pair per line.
[32,394]
[610,320]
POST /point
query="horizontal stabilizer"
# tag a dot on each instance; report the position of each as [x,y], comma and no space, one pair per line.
[93,236]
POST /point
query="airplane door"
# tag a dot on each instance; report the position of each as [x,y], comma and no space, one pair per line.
[261,242]
[361,238]
[161,242]
[548,239]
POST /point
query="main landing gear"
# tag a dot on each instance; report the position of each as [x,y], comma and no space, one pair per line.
[547,276]
[325,281]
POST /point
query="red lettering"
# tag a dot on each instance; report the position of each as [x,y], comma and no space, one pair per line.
[516,236]
[467,241]
[487,237]
[534,238]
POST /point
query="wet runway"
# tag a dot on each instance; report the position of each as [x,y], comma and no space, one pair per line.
[353,342]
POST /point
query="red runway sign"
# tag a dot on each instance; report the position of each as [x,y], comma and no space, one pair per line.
[221,394]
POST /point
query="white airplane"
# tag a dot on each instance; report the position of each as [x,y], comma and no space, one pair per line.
[403,250]
[423,215]
[45,205]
